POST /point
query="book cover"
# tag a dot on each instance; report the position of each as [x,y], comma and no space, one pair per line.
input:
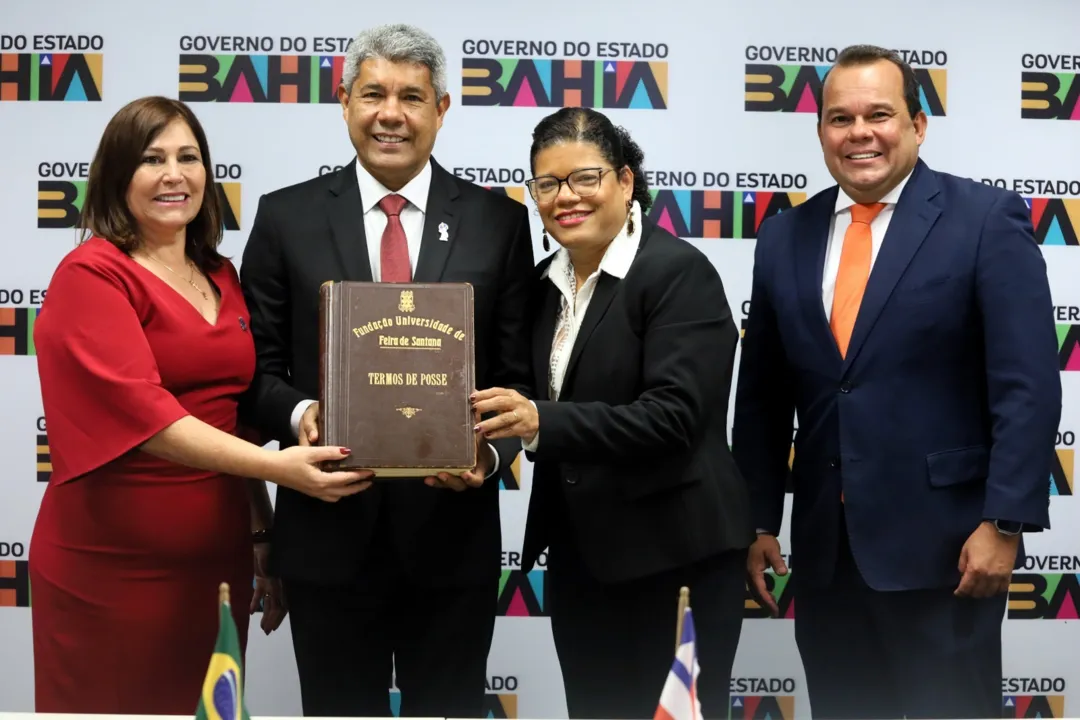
[397,367]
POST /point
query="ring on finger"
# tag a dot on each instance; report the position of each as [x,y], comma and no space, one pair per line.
[516,416]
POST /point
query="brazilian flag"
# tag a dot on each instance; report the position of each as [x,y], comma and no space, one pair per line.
[223,690]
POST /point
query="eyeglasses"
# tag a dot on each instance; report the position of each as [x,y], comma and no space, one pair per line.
[583,183]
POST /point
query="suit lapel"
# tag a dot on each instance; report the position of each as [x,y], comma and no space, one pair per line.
[606,286]
[440,226]
[912,219]
[809,270]
[543,334]
[346,217]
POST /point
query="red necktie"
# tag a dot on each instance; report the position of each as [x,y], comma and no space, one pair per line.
[394,254]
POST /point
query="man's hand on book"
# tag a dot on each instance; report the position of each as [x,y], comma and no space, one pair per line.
[309,425]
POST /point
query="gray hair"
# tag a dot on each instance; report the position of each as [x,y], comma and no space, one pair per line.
[396,43]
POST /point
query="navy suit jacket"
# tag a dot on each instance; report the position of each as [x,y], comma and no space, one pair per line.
[945,409]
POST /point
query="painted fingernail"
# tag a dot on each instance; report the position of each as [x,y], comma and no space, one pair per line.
[345,451]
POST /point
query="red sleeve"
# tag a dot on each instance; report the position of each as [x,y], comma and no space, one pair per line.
[100,386]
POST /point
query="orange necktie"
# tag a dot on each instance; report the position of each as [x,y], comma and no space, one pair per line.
[853,273]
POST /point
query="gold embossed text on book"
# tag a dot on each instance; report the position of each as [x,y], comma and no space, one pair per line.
[397,367]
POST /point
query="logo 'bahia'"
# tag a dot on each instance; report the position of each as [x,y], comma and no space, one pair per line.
[61,193]
[1068,347]
[1046,92]
[14,583]
[1054,206]
[1061,472]
[260,78]
[1055,220]
[1048,596]
[50,77]
[17,330]
[522,594]
[762,707]
[731,214]
[520,82]
[60,203]
[44,459]
[1033,706]
[789,79]
[583,77]
[735,214]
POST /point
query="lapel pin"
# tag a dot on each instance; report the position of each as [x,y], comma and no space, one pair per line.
[243,325]
[444,232]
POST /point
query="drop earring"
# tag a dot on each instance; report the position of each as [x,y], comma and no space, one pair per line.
[629,217]
[547,245]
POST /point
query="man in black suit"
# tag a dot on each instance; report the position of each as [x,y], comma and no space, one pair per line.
[403,576]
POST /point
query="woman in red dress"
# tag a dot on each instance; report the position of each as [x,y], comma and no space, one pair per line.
[144,351]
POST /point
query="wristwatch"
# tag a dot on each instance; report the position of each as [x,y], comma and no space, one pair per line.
[1008,527]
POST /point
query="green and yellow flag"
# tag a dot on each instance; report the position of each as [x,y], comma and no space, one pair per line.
[223,690]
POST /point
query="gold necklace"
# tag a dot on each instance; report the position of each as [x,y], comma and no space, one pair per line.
[188,280]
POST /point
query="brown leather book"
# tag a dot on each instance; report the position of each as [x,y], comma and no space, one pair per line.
[397,367]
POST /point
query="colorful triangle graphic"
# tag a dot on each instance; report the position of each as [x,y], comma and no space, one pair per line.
[1074,360]
[517,606]
[1054,235]
[241,92]
[525,97]
[807,102]
[1068,608]
[665,222]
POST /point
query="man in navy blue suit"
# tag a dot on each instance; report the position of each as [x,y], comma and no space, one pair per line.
[905,317]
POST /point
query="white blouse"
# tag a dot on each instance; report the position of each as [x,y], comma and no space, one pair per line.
[573,305]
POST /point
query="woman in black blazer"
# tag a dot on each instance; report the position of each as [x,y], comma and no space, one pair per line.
[635,492]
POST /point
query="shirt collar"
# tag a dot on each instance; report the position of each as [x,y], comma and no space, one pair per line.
[372,191]
[843,202]
[619,255]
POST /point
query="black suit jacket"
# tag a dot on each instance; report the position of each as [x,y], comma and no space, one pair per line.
[637,441]
[312,232]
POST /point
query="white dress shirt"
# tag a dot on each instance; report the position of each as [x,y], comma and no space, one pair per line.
[841,220]
[412,221]
[617,259]
[412,214]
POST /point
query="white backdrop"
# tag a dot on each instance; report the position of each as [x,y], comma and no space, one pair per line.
[718,137]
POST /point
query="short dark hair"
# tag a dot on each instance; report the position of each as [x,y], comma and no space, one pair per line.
[854,55]
[105,210]
[579,124]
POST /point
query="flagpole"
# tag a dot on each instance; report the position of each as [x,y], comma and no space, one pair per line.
[223,594]
[684,602]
